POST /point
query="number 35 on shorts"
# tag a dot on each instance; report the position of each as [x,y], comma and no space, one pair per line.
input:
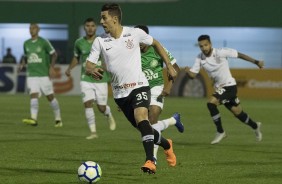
[142,95]
[220,91]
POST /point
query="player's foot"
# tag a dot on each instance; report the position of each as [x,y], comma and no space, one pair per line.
[170,156]
[92,136]
[112,122]
[178,124]
[149,167]
[218,137]
[58,123]
[30,121]
[258,132]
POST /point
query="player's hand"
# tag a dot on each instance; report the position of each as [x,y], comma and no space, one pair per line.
[68,72]
[52,72]
[20,67]
[260,64]
[97,73]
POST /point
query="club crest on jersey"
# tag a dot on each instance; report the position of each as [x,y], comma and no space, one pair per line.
[153,63]
[129,44]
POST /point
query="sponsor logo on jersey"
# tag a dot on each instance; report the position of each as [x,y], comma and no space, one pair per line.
[150,75]
[127,35]
[125,86]
[108,40]
[129,44]
[33,58]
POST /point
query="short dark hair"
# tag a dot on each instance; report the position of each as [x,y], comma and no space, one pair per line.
[143,27]
[89,19]
[204,37]
[113,9]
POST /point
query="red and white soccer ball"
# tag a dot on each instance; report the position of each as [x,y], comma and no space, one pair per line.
[89,172]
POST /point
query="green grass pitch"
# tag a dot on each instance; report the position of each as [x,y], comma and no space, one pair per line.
[49,155]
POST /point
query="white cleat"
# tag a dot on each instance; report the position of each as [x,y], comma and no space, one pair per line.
[258,132]
[112,122]
[92,136]
[218,137]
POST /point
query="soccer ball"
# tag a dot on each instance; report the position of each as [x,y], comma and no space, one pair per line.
[89,172]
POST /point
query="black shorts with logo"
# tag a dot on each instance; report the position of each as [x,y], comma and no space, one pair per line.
[140,97]
[227,95]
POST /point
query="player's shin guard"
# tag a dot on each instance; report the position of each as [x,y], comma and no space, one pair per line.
[215,116]
[243,117]
[147,138]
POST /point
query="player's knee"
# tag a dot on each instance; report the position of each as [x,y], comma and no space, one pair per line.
[212,108]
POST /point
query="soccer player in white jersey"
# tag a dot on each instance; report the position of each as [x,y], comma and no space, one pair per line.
[92,90]
[37,53]
[121,52]
[215,63]
[152,66]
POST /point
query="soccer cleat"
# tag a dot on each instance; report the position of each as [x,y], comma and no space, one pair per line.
[170,156]
[92,136]
[30,121]
[218,137]
[112,122]
[178,124]
[258,132]
[149,167]
[58,123]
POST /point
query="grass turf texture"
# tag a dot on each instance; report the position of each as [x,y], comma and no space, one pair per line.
[49,155]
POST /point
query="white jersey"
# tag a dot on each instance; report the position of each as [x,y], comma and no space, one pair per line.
[217,66]
[123,59]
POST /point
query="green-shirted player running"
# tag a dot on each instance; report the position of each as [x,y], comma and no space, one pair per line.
[152,66]
[92,90]
[37,53]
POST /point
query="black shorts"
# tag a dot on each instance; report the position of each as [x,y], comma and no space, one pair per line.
[140,97]
[227,96]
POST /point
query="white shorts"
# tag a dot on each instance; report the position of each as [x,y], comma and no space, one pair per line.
[94,91]
[40,84]
[155,92]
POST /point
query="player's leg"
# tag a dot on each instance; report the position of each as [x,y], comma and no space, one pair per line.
[101,94]
[88,98]
[235,107]
[46,87]
[34,92]
[215,115]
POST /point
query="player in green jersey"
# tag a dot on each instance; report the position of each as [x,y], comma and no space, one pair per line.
[40,57]
[92,90]
[152,66]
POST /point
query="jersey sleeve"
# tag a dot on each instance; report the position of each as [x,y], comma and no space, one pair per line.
[196,66]
[49,48]
[227,52]
[94,55]
[76,52]
[171,58]
[144,37]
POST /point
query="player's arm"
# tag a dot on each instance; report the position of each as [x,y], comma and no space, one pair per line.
[169,84]
[22,64]
[73,63]
[92,59]
[190,74]
[54,57]
[163,54]
[91,69]
[245,57]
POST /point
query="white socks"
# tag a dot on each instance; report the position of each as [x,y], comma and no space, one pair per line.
[56,109]
[90,117]
[107,111]
[34,107]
